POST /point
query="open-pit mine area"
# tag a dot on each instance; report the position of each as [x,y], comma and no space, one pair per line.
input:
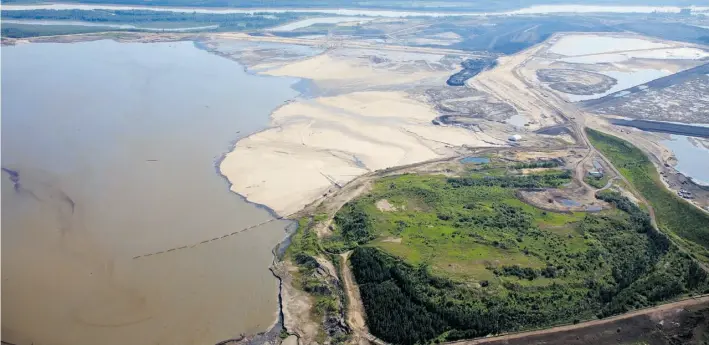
[407,178]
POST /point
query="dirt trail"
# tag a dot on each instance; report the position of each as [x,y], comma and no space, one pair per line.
[355,309]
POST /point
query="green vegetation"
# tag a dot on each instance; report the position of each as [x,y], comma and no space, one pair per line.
[597,182]
[444,258]
[552,163]
[463,257]
[302,251]
[687,224]
[328,299]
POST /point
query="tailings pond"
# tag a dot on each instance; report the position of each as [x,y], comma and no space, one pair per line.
[692,157]
[109,153]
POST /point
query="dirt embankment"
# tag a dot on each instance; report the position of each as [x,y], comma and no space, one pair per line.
[296,305]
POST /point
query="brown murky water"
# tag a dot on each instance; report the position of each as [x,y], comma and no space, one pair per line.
[114,147]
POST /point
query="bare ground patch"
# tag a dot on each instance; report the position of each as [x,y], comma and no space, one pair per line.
[384,206]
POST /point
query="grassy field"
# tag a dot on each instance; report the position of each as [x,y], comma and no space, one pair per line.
[684,222]
[441,258]
[437,237]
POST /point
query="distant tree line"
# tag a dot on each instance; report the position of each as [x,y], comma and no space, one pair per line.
[239,21]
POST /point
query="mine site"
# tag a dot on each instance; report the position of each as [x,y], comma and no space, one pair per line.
[345,173]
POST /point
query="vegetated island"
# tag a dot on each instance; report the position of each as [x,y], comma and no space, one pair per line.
[458,255]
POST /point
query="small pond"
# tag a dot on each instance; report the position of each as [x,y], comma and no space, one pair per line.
[475,160]
[569,202]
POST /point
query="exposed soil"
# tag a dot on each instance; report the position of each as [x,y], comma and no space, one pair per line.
[576,82]
[468,102]
[296,305]
[561,200]
[384,206]
[355,309]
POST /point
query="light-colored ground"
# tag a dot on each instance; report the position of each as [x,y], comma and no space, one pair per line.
[290,340]
[505,85]
[628,58]
[355,310]
[335,43]
[384,206]
[314,145]
[325,67]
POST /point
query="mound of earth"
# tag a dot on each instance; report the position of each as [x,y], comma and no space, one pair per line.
[467,102]
[576,82]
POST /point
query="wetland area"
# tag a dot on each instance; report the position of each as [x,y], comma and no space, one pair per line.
[112,149]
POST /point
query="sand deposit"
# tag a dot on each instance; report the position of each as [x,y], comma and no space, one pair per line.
[504,83]
[318,144]
[576,45]
[315,145]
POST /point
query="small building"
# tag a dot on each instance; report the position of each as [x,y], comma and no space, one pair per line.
[515,137]
[595,173]
[598,166]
